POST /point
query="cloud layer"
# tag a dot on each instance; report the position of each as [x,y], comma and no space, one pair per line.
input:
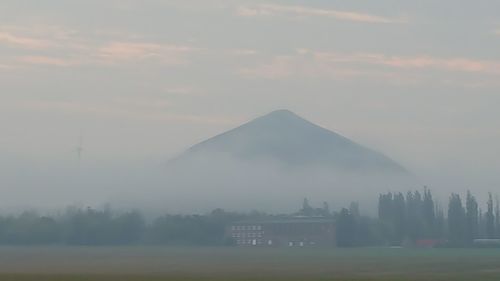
[270,10]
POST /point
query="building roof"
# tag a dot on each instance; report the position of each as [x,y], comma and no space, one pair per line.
[287,220]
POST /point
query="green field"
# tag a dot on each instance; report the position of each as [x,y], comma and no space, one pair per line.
[184,263]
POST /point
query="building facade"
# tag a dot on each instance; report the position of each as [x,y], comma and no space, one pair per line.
[283,232]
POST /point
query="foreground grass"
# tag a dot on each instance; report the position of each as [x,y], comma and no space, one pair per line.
[170,263]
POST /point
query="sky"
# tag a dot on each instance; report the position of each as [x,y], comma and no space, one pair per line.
[141,81]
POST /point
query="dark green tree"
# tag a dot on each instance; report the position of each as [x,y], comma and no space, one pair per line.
[490,218]
[440,222]
[456,221]
[415,220]
[429,214]
[497,217]
[386,218]
[472,214]
[306,210]
[326,209]
[399,216]
[354,209]
[385,210]
[346,229]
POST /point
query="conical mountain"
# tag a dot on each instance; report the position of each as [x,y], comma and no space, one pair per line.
[284,138]
[271,164]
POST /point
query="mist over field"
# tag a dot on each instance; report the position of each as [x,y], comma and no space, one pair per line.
[270,165]
[209,181]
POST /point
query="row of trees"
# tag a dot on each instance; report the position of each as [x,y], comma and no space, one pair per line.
[418,216]
[103,227]
[410,217]
[468,222]
[402,218]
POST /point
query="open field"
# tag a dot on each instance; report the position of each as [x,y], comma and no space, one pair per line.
[184,263]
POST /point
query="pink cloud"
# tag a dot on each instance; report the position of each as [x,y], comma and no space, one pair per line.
[45,60]
[39,37]
[243,52]
[285,67]
[113,53]
[302,11]
[23,41]
[68,48]
[307,63]
[5,66]
[417,62]
[167,53]
[122,50]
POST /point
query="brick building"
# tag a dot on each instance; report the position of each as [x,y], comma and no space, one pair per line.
[283,232]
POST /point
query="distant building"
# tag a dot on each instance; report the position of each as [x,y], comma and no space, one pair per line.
[487,243]
[427,243]
[283,232]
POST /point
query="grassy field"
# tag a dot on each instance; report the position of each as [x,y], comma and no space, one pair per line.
[183,263]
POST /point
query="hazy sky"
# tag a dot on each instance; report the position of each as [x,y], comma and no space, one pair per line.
[143,80]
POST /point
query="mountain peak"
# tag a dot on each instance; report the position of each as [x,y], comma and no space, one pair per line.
[279,121]
[282,112]
[281,115]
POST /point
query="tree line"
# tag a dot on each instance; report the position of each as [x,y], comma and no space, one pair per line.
[88,226]
[403,219]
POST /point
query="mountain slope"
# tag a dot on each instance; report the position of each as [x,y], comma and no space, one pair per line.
[284,138]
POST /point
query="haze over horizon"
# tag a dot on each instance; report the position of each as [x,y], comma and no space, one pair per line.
[144,80]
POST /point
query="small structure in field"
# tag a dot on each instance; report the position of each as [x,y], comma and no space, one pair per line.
[284,232]
[486,243]
[427,243]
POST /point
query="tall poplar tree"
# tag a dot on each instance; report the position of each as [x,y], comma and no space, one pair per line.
[429,214]
[490,218]
[472,217]
[456,220]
